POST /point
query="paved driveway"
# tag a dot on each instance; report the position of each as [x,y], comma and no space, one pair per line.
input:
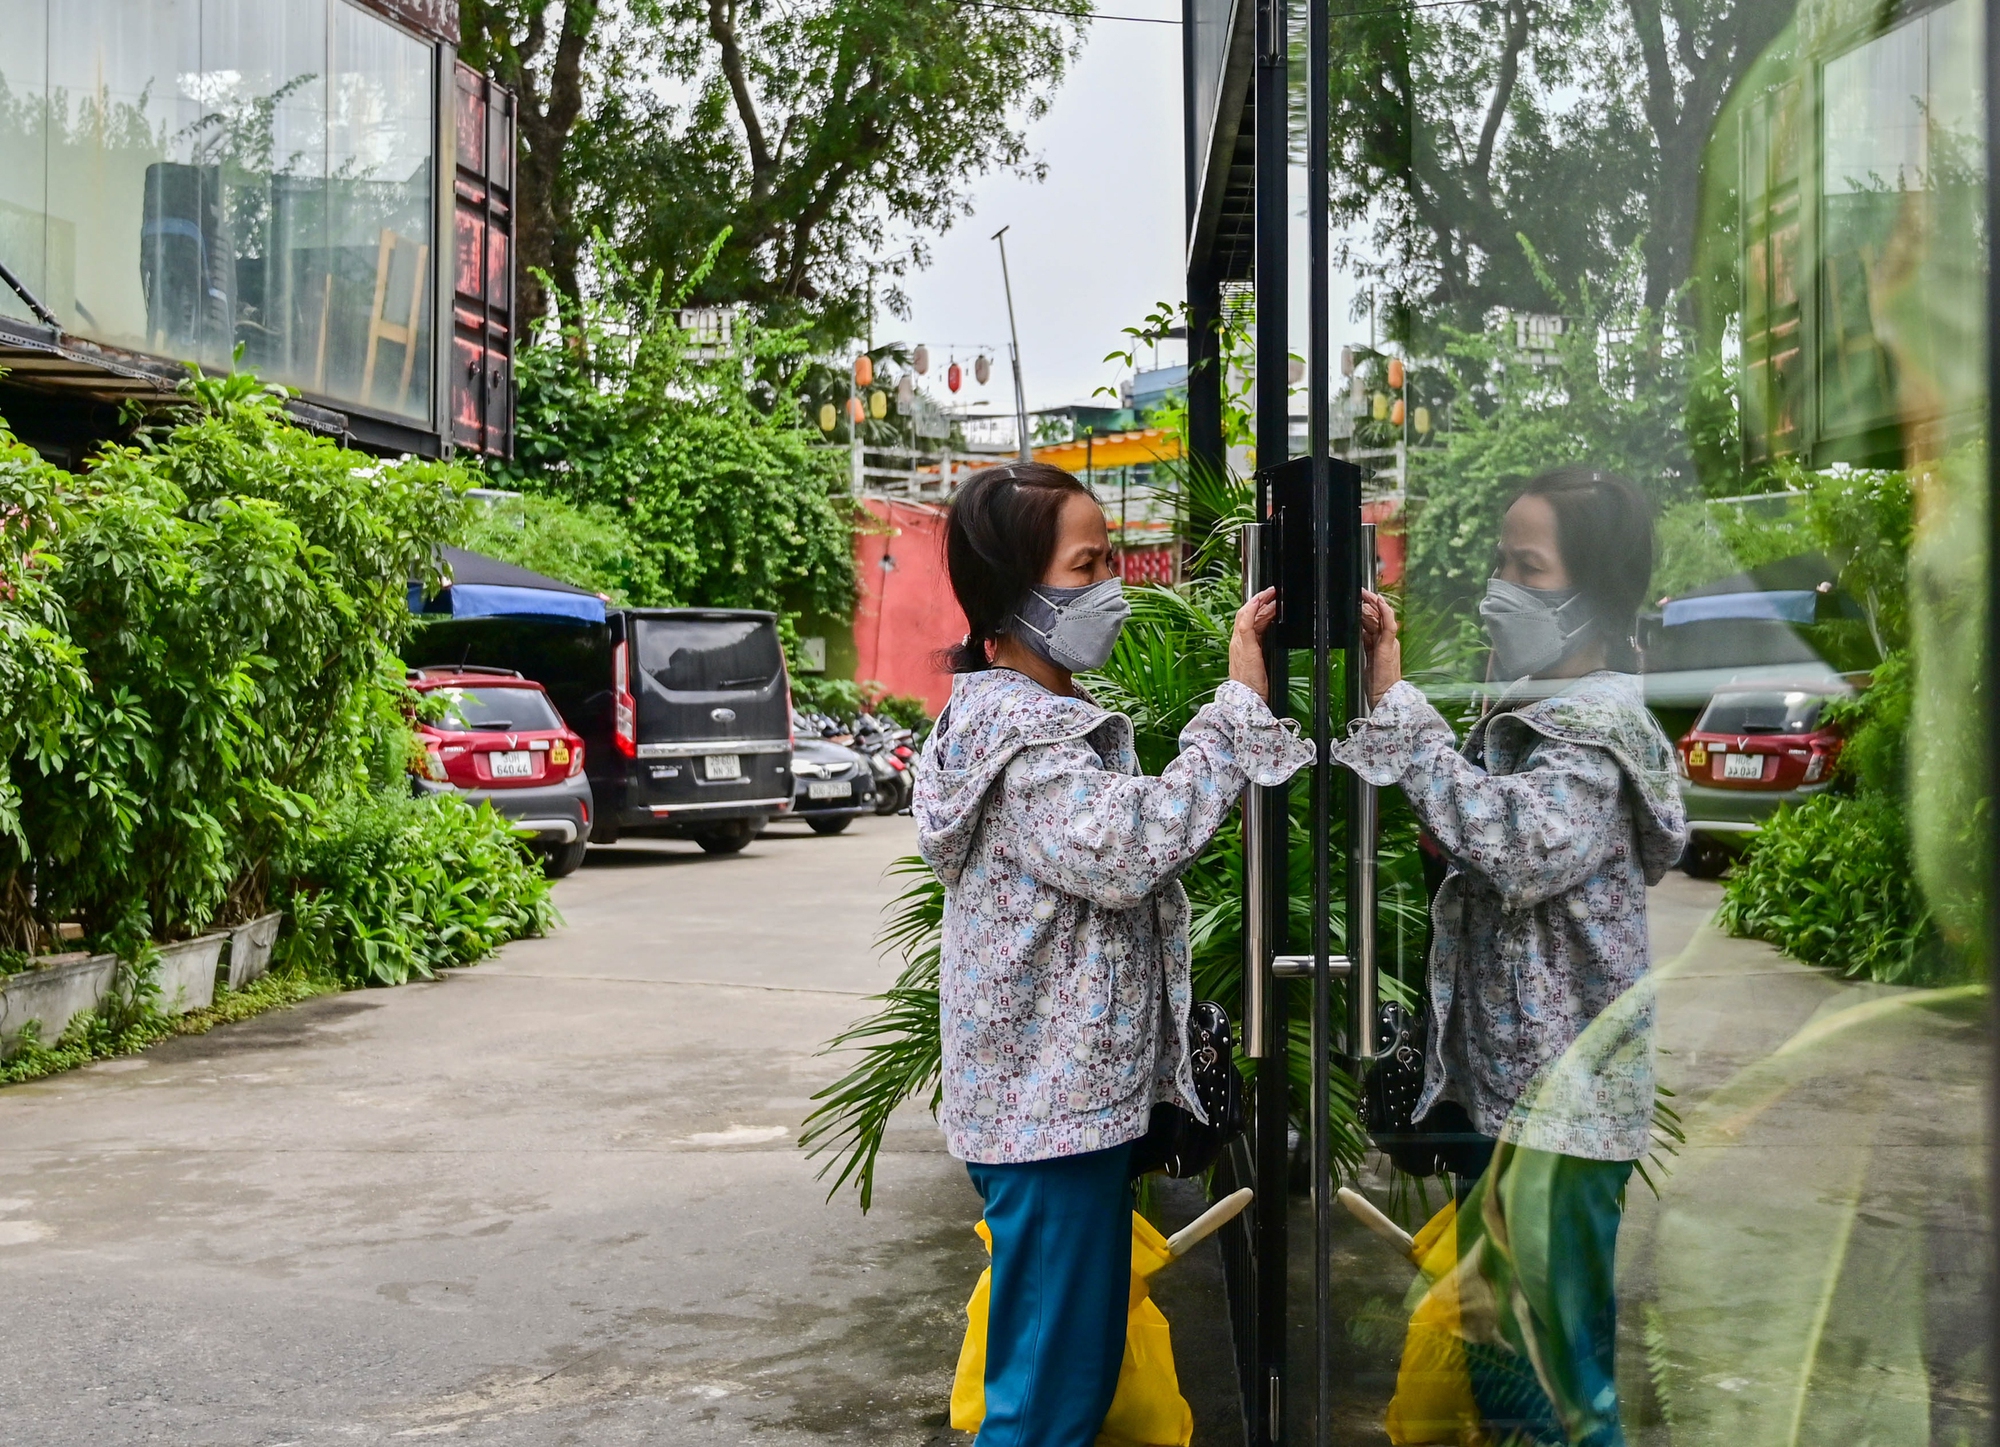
[552,1199]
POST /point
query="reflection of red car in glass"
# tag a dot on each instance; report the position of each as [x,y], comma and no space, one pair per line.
[1755,746]
[501,742]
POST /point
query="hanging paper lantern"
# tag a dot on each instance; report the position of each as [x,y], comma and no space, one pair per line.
[1423,421]
[1379,407]
[921,359]
[953,377]
[1347,361]
[1395,374]
[864,371]
[982,368]
[855,411]
[1357,393]
[906,392]
[1396,413]
[826,416]
[878,404]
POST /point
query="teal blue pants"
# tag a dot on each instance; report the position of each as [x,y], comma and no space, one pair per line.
[1062,1273]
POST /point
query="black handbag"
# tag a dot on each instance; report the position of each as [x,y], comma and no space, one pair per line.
[1175,1143]
[1445,1142]
[1390,1093]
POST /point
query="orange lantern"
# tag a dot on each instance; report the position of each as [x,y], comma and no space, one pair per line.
[1396,413]
[1395,374]
[864,371]
[954,377]
[855,412]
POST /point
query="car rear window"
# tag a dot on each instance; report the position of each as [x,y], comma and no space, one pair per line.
[1775,712]
[516,710]
[710,655]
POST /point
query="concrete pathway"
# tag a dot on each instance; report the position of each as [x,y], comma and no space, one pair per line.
[551,1199]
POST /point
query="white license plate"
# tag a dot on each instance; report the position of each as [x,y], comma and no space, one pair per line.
[840,790]
[515,764]
[1742,766]
[723,766]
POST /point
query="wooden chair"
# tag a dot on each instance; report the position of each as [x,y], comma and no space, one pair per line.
[380,328]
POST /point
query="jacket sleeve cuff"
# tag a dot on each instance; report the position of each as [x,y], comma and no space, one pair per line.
[1380,747]
[1267,748]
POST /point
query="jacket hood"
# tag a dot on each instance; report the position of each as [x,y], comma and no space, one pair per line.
[992,716]
[1608,711]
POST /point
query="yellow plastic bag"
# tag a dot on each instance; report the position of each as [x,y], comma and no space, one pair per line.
[1433,1401]
[1148,1409]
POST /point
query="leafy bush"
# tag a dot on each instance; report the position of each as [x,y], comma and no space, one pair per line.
[1829,882]
[389,886]
[586,544]
[730,500]
[233,589]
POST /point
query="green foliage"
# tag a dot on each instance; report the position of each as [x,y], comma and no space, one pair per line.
[1876,725]
[1829,882]
[41,671]
[824,139]
[587,544]
[233,589]
[727,498]
[389,886]
[1609,392]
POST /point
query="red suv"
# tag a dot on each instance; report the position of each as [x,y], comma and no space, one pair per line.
[501,742]
[1755,746]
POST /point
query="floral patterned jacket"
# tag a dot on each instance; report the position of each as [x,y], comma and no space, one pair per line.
[1555,817]
[1063,987]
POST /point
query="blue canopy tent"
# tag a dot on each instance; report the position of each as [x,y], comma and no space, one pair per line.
[483,587]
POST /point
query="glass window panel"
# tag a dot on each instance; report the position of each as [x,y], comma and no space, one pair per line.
[24,158]
[264,131]
[134,216]
[1751,284]
[380,215]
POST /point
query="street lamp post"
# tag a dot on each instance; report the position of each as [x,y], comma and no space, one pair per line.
[1014,355]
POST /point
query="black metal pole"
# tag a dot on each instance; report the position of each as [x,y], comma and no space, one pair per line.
[1273,425]
[1318,346]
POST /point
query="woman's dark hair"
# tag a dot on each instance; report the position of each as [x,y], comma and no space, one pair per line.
[1604,530]
[997,545]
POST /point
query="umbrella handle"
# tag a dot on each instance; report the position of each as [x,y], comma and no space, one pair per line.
[1364,1211]
[1208,1223]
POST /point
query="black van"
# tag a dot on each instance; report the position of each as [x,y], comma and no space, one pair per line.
[685,713]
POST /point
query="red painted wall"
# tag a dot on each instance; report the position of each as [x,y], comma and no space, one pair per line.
[906,612]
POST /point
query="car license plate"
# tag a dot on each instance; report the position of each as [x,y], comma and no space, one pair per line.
[723,766]
[840,789]
[1742,766]
[514,764]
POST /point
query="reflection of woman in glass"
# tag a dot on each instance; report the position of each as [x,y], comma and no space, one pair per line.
[1557,812]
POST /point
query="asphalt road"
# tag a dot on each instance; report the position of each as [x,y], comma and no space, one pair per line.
[550,1199]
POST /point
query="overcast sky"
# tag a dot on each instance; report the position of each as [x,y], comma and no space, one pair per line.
[1091,248]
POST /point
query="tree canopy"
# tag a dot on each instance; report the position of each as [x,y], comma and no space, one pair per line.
[826,137]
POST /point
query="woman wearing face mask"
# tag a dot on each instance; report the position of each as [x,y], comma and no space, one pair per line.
[1063,981]
[1555,814]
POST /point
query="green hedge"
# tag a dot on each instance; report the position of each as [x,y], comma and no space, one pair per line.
[389,886]
[1829,882]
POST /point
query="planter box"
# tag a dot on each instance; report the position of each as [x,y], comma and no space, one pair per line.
[250,948]
[53,993]
[187,974]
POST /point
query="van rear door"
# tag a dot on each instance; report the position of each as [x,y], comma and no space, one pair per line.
[714,720]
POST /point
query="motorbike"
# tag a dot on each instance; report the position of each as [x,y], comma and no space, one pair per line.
[891,754]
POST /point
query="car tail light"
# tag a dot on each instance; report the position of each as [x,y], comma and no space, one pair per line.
[575,758]
[1815,766]
[624,711]
[791,725]
[434,764]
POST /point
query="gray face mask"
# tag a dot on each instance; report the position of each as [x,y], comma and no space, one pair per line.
[1533,629]
[1074,628]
